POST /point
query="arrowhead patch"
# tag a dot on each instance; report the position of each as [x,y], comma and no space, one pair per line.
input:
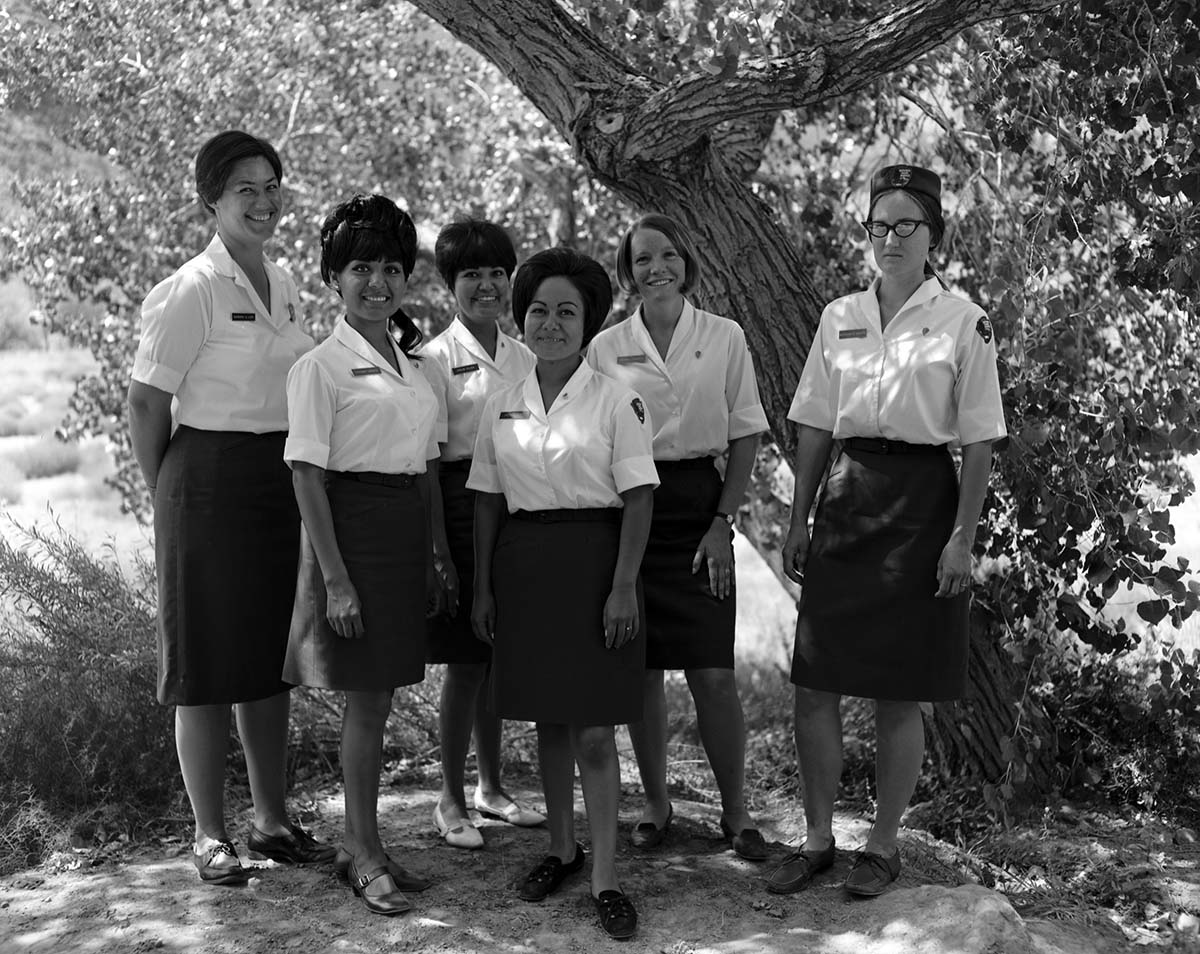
[984,327]
[639,409]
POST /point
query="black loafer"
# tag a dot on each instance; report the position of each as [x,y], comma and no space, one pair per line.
[748,843]
[646,835]
[872,873]
[297,847]
[544,880]
[225,874]
[618,916]
[405,880]
[798,869]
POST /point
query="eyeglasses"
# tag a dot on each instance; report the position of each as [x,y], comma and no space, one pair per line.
[902,227]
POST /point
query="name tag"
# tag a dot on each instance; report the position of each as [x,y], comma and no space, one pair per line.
[363,372]
[243,316]
[464,369]
[631,359]
[852,333]
[514,415]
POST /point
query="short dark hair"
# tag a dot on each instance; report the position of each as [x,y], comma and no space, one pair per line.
[676,234]
[371,228]
[585,273]
[472,243]
[218,156]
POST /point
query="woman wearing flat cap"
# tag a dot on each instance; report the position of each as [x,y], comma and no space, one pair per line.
[897,373]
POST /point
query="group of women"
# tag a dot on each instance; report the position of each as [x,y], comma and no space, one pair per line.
[546,518]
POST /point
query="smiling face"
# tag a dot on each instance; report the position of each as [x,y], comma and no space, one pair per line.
[659,269]
[371,291]
[554,320]
[481,293]
[248,209]
[900,258]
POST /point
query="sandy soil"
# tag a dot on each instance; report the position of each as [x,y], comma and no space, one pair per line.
[693,896]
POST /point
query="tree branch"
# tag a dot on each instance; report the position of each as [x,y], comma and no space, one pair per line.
[686,109]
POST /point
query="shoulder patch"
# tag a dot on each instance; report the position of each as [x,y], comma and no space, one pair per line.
[639,409]
[984,328]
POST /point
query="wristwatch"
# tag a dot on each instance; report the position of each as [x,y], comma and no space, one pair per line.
[727,517]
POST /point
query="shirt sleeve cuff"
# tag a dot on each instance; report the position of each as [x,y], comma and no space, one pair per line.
[634,472]
[484,477]
[311,452]
[158,376]
[979,435]
[748,421]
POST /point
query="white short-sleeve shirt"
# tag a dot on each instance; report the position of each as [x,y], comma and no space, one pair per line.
[465,377]
[592,445]
[348,410]
[209,340]
[929,377]
[701,396]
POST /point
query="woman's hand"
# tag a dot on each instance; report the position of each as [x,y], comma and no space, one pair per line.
[795,551]
[620,616]
[435,598]
[483,617]
[954,567]
[716,547]
[447,580]
[343,609]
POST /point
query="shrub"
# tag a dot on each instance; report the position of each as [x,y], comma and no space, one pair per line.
[47,457]
[17,330]
[79,724]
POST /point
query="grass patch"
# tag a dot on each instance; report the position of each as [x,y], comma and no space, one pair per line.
[11,479]
[47,457]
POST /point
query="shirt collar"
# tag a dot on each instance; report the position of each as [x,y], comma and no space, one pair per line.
[683,329]
[347,336]
[462,335]
[576,384]
[219,255]
[925,293]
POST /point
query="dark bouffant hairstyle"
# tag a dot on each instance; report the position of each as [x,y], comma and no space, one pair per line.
[371,228]
[676,234]
[585,273]
[221,153]
[472,243]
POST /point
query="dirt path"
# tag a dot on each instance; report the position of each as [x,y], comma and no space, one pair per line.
[693,896]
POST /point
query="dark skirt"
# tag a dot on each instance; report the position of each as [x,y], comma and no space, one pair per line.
[869,624]
[551,580]
[381,533]
[226,538]
[451,638]
[688,627]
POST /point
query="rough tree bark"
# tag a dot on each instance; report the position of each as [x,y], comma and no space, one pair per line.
[687,148]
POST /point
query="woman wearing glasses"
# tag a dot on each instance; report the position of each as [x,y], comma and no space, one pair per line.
[897,373]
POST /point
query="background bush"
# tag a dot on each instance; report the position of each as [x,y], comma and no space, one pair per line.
[47,457]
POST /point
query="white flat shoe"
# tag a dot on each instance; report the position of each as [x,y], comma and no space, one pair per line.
[462,835]
[512,813]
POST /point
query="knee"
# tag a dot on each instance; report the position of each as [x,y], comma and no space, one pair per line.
[714,687]
[813,702]
[594,746]
[891,715]
[369,708]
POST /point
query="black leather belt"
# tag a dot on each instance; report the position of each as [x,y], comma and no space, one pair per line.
[687,463]
[878,445]
[603,514]
[373,477]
